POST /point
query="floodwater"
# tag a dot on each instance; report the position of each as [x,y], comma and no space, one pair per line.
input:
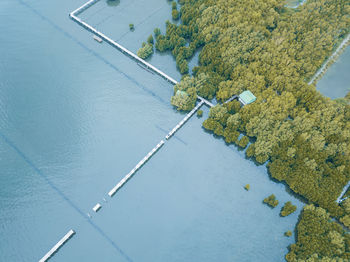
[76,116]
[335,83]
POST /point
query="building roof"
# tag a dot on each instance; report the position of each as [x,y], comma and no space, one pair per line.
[247,97]
[181,93]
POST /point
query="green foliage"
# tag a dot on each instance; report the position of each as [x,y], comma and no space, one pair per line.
[185,96]
[174,5]
[156,32]
[150,40]
[247,187]
[131,27]
[288,209]
[319,238]
[243,142]
[175,14]
[145,51]
[271,201]
[273,51]
[200,113]
[288,233]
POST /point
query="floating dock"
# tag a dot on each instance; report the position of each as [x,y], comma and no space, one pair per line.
[137,167]
[97,207]
[183,121]
[58,245]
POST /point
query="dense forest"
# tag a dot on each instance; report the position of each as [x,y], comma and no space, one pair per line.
[272,50]
[319,238]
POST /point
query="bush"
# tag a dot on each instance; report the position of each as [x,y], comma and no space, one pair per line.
[288,233]
[175,14]
[150,40]
[271,201]
[145,51]
[243,142]
[200,113]
[156,32]
[288,209]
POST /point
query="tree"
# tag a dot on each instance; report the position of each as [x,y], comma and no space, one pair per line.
[175,14]
[156,32]
[288,233]
[145,51]
[150,40]
[131,27]
[243,142]
[288,209]
[247,187]
[271,201]
[200,113]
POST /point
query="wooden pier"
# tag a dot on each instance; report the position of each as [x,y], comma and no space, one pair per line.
[183,121]
[231,99]
[137,167]
[73,15]
[58,245]
[147,66]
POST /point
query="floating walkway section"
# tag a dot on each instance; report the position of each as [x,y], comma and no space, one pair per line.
[340,199]
[183,121]
[58,245]
[137,167]
[333,57]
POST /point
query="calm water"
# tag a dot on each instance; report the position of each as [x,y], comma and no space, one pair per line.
[76,116]
[336,81]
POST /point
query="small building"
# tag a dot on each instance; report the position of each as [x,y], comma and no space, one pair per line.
[181,93]
[246,97]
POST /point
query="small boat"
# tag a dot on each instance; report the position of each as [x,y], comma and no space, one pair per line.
[98,39]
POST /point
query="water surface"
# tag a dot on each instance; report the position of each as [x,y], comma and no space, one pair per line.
[335,83]
[76,116]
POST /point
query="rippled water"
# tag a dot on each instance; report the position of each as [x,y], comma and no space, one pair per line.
[76,116]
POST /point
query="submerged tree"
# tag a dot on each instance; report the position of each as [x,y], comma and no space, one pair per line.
[288,209]
[145,51]
[271,201]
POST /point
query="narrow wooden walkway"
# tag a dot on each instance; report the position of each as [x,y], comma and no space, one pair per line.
[73,15]
[137,167]
[183,121]
[58,245]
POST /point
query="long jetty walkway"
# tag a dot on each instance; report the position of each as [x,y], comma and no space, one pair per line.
[325,66]
[137,167]
[183,121]
[340,198]
[58,245]
[152,69]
